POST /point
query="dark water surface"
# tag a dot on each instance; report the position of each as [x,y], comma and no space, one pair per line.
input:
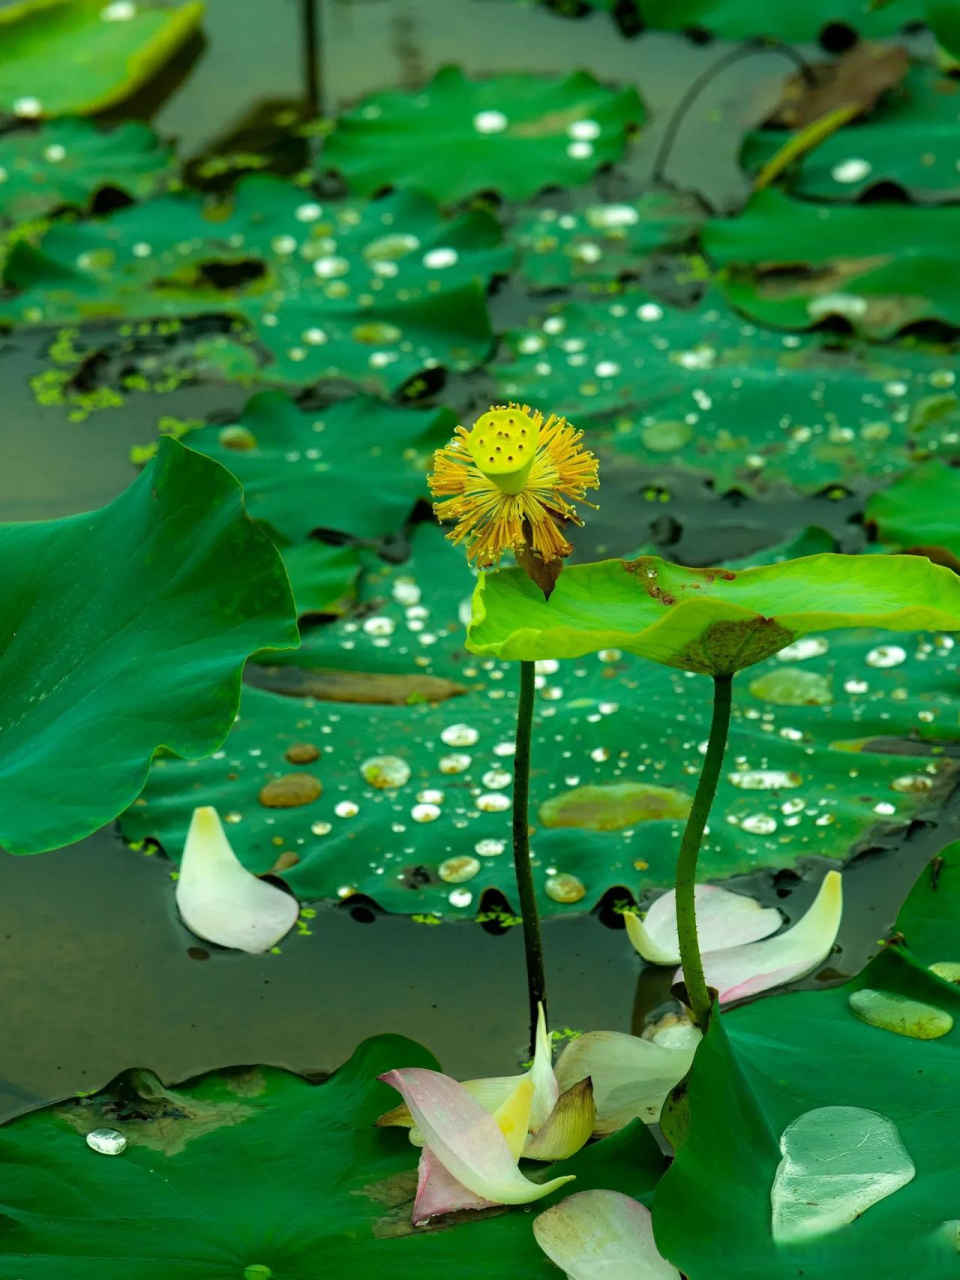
[98,974]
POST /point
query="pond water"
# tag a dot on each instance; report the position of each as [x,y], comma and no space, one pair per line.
[99,974]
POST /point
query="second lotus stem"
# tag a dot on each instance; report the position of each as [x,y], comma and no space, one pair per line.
[533,945]
[697,994]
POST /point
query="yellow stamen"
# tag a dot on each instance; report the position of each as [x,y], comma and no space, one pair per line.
[505,504]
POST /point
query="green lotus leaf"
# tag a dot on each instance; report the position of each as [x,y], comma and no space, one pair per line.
[761,1069]
[910,141]
[714,621]
[74,57]
[374,292]
[323,577]
[513,134]
[929,920]
[793,263]
[357,467]
[66,162]
[919,509]
[790,20]
[704,390]
[121,631]
[601,243]
[616,756]
[332,1195]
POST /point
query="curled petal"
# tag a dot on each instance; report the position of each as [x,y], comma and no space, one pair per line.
[602,1235]
[546,1089]
[465,1138]
[724,920]
[513,1117]
[439,1192]
[568,1127]
[758,966]
[631,1077]
[220,900]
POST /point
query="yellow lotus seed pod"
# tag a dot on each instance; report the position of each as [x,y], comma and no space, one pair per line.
[503,444]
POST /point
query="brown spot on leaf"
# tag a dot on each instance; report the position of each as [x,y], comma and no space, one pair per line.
[302,753]
[329,685]
[291,791]
[610,808]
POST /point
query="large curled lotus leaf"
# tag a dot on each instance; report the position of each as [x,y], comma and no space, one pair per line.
[929,920]
[602,242]
[881,267]
[765,1065]
[714,621]
[121,631]
[75,57]
[513,134]
[703,389]
[66,162]
[919,509]
[790,20]
[837,734]
[374,292]
[909,141]
[332,1196]
[357,467]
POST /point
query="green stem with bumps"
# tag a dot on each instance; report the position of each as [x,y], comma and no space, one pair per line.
[697,994]
[533,944]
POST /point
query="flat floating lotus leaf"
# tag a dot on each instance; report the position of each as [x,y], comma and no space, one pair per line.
[602,242]
[431,829]
[323,577]
[66,162]
[920,509]
[357,467]
[374,292]
[63,57]
[791,20]
[761,1069]
[705,390]
[793,263]
[911,140]
[513,134]
[706,620]
[124,630]
[332,1197]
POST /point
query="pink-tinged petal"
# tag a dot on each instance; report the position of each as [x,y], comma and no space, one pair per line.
[746,971]
[602,1235]
[439,1192]
[631,1077]
[220,900]
[724,920]
[465,1138]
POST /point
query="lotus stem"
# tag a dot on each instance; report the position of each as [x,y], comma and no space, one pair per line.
[310,27]
[533,945]
[698,996]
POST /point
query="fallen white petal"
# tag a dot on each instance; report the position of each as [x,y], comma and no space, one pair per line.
[758,966]
[837,1162]
[220,900]
[631,1077]
[602,1235]
[465,1138]
[724,920]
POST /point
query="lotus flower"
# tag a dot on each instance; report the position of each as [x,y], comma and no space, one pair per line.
[740,959]
[558,1122]
[602,1235]
[470,1158]
[220,900]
